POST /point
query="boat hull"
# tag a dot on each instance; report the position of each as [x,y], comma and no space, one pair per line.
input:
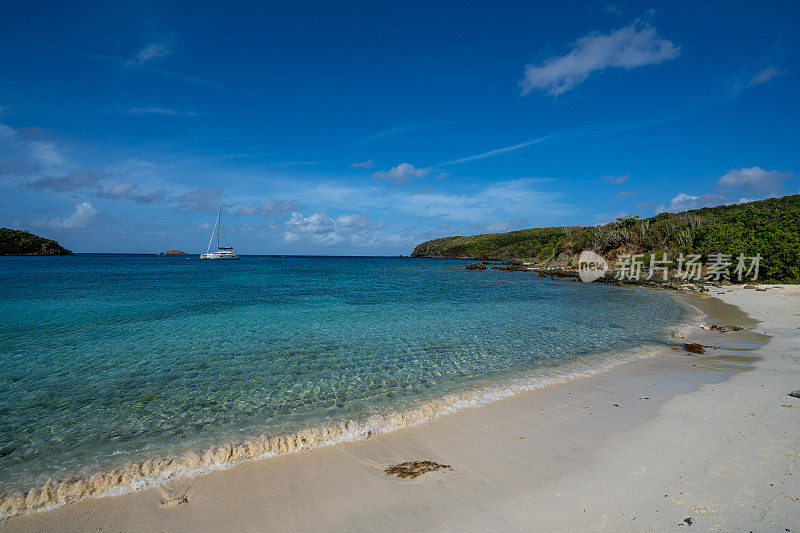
[218,256]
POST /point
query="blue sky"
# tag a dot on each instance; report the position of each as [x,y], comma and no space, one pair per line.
[365,128]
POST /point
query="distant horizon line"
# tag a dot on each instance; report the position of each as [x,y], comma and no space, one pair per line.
[159,254]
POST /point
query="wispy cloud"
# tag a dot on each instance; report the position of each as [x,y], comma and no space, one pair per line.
[633,46]
[73,181]
[625,194]
[495,152]
[507,199]
[149,52]
[128,190]
[387,133]
[270,208]
[147,67]
[198,200]
[159,111]
[363,164]
[617,180]
[765,75]
[6,132]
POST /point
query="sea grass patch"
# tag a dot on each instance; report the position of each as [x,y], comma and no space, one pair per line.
[414,469]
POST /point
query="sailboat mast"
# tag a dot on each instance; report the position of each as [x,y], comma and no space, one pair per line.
[219,225]
[208,250]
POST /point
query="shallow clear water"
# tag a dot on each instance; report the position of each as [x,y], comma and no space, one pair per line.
[110,359]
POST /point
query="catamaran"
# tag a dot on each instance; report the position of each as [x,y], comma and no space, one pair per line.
[223,252]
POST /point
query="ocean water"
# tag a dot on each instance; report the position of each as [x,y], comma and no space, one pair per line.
[114,360]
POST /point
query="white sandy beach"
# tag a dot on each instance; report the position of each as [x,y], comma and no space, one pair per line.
[639,448]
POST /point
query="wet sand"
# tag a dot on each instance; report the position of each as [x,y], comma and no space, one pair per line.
[640,447]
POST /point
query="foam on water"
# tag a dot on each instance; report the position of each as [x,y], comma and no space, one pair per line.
[140,476]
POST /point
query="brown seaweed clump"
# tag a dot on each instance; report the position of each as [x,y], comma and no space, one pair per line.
[694,347]
[414,469]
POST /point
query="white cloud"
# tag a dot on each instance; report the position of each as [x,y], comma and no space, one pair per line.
[755,179]
[633,46]
[765,75]
[317,227]
[353,221]
[625,194]
[151,51]
[83,217]
[686,202]
[402,174]
[363,164]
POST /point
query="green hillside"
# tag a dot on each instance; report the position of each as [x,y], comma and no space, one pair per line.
[17,242]
[769,227]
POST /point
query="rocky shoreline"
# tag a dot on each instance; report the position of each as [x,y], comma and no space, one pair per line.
[673,282]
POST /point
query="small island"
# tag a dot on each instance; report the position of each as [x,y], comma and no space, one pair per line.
[173,252]
[18,242]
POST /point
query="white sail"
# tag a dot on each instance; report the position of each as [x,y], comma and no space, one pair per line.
[222,252]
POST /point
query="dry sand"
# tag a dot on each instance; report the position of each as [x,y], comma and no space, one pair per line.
[638,448]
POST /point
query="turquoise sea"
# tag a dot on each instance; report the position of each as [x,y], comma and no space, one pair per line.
[109,360]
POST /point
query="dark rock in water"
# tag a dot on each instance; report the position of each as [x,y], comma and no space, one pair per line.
[8,450]
[475,266]
[693,347]
[795,393]
[724,328]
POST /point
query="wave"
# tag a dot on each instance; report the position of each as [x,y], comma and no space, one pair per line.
[139,476]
